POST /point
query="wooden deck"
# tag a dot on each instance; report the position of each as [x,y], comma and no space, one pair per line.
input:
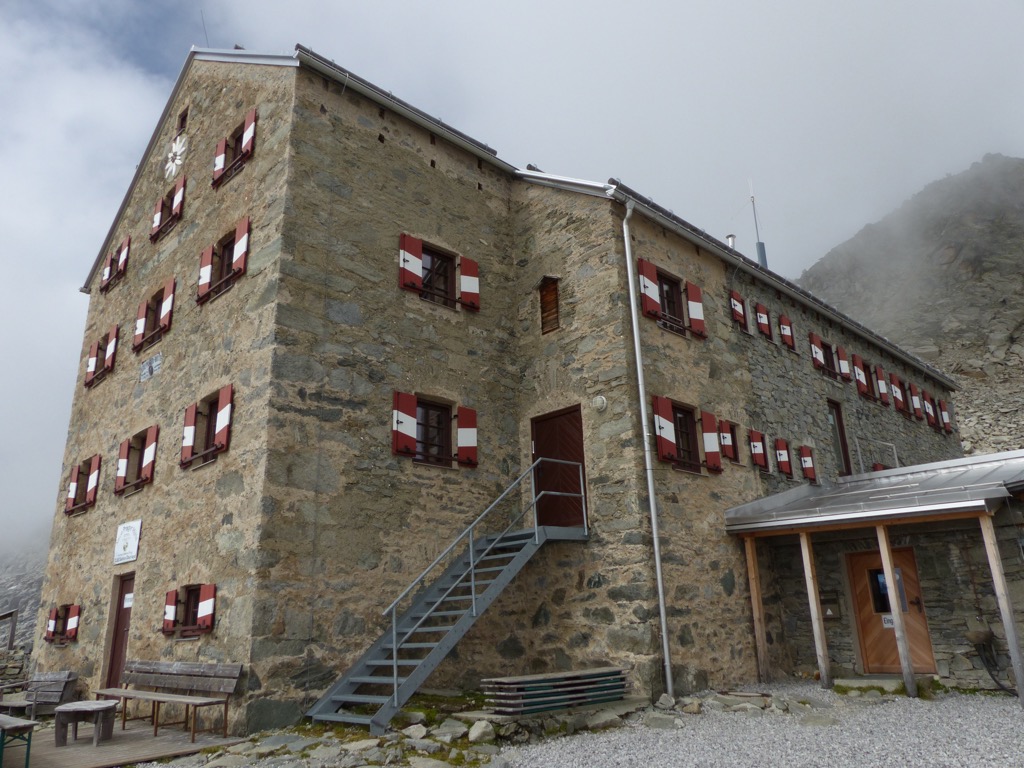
[135,744]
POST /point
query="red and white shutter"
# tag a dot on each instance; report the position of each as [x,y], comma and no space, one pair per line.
[205,273]
[149,454]
[121,476]
[178,201]
[167,307]
[94,480]
[207,598]
[763,324]
[69,503]
[817,350]
[122,255]
[929,408]
[947,423]
[403,425]
[883,388]
[650,295]
[140,326]
[738,308]
[220,160]
[786,331]
[51,628]
[71,622]
[249,133]
[241,251]
[469,284]
[466,441]
[757,453]
[844,364]
[170,611]
[664,428]
[915,402]
[725,439]
[107,271]
[410,263]
[860,375]
[712,449]
[222,426]
[158,218]
[782,457]
[695,307]
[807,464]
[897,392]
[111,351]
[90,363]
[188,436]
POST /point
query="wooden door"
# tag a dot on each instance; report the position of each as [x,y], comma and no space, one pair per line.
[122,622]
[873,606]
[559,435]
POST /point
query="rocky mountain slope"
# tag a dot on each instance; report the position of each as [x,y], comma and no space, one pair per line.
[943,277]
[21,579]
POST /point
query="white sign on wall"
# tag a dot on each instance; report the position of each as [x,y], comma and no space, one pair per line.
[126,548]
[887,622]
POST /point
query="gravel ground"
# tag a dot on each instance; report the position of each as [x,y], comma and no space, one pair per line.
[950,730]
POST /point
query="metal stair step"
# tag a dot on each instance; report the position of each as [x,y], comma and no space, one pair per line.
[437,613]
[372,680]
[445,628]
[344,717]
[391,662]
[359,698]
[389,646]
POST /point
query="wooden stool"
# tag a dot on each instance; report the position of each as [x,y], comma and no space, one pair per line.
[101,713]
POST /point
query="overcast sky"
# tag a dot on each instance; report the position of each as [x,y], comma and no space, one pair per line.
[834,112]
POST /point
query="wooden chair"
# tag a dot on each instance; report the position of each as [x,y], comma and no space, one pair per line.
[40,694]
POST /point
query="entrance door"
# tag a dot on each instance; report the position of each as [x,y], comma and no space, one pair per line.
[874,607]
[122,621]
[559,435]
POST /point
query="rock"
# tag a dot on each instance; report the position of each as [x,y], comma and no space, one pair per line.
[456,728]
[481,730]
[665,702]
[423,745]
[416,731]
[659,720]
[603,719]
[360,746]
[426,762]
[229,761]
[693,708]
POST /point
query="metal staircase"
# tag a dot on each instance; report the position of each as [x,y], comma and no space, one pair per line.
[467,578]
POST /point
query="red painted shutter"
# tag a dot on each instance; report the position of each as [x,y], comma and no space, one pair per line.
[929,408]
[763,323]
[739,311]
[205,273]
[883,388]
[786,331]
[915,400]
[878,467]
[122,255]
[782,457]
[403,425]
[807,464]
[94,480]
[107,271]
[140,326]
[170,611]
[121,477]
[410,263]
[467,436]
[149,454]
[757,453]
[207,598]
[249,133]
[188,436]
[90,363]
[860,375]
[817,350]
[222,427]
[712,450]
[71,622]
[897,392]
[650,294]
[947,423]
[844,364]
[168,306]
[469,284]
[69,503]
[695,306]
[664,428]
[220,160]
[51,627]
[241,251]
[178,203]
[725,438]
[111,351]
[158,219]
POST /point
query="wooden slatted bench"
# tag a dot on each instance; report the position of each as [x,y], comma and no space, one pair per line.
[14,729]
[529,694]
[175,682]
[40,694]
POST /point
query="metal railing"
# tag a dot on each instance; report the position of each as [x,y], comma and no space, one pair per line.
[475,556]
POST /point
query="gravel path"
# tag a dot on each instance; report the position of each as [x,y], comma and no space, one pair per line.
[951,730]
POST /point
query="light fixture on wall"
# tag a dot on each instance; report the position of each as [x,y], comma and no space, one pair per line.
[600,402]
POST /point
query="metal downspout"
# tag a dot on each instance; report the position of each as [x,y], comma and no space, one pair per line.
[648,465]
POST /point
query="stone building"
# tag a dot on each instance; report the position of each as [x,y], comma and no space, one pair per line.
[326,331]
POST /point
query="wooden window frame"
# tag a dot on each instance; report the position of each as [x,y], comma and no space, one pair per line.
[234,158]
[222,274]
[82,501]
[60,616]
[153,332]
[871,382]
[186,613]
[549,309]
[168,218]
[433,433]
[205,447]
[438,285]
[684,421]
[841,450]
[831,366]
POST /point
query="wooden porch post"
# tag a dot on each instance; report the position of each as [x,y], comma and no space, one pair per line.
[760,639]
[995,563]
[896,611]
[814,599]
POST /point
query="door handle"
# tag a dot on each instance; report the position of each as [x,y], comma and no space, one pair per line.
[920,606]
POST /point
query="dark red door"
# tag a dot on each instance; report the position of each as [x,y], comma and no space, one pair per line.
[559,435]
[122,621]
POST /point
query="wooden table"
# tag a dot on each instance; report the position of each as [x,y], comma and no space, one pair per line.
[14,729]
[101,713]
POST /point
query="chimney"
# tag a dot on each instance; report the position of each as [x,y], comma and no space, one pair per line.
[731,239]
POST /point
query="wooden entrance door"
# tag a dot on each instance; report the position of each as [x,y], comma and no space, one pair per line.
[559,435]
[873,606]
[122,622]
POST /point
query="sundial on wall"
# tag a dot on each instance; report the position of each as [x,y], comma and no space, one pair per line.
[176,156]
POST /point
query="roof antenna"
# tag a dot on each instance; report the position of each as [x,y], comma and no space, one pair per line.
[203,19]
[762,256]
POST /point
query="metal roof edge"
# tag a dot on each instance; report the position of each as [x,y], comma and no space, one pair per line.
[916,469]
[826,521]
[582,186]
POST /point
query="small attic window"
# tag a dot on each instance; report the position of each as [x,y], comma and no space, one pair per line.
[183,121]
[548,290]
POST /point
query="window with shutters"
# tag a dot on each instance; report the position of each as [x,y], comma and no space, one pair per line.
[839,446]
[864,375]
[684,419]
[83,485]
[548,305]
[671,297]
[100,360]
[221,264]
[422,429]
[764,323]
[234,151]
[729,438]
[738,310]
[676,305]
[62,624]
[136,459]
[433,433]
[154,318]
[115,265]
[831,367]
[437,275]
[207,428]
[168,211]
[189,610]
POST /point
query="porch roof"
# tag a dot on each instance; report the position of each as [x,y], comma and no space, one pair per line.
[962,487]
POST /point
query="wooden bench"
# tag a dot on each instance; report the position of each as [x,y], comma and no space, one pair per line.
[14,729]
[175,682]
[40,694]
